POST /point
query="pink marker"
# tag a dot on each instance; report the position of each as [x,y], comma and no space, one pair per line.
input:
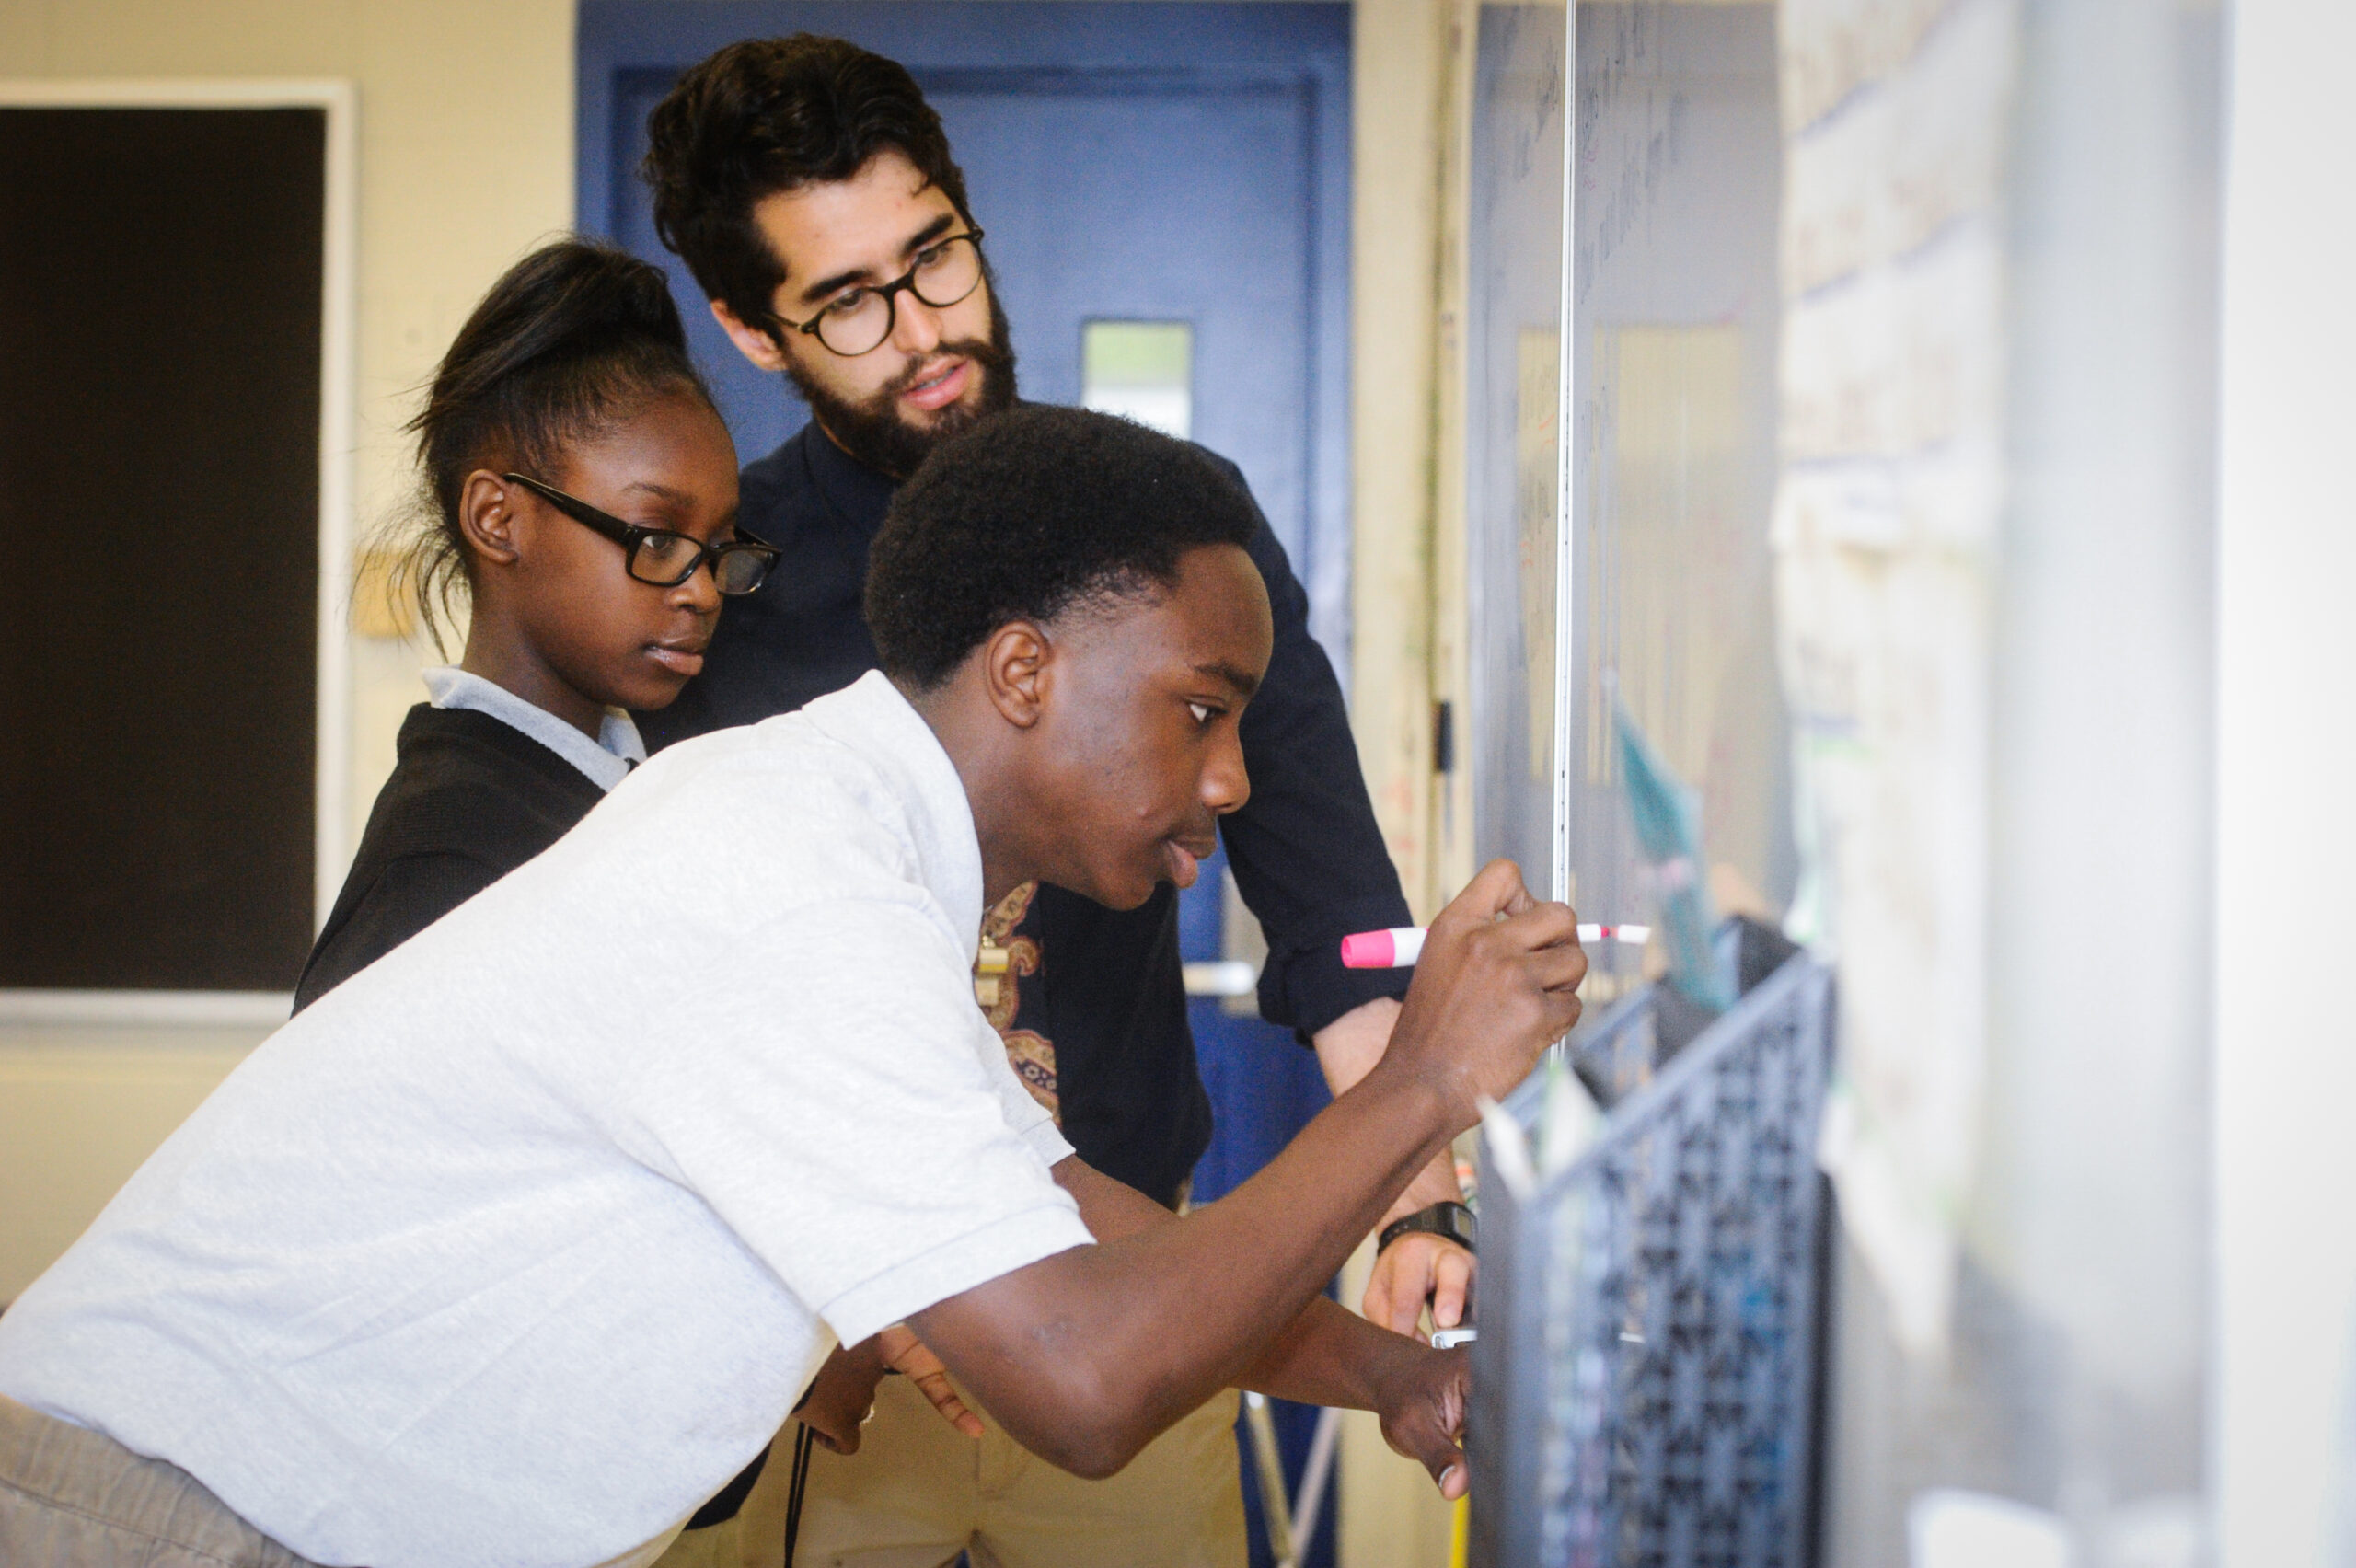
[1399,947]
[1395,948]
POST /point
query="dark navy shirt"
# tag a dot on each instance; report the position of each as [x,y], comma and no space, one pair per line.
[1099,1025]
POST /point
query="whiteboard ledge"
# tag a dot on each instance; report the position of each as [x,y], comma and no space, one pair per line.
[220,1009]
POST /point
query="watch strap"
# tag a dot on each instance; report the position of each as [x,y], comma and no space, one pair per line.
[1451,1220]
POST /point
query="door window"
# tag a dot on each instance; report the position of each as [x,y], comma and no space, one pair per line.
[1142,370]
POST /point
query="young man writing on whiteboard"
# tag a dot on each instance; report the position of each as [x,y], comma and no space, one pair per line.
[812,191]
[512,1247]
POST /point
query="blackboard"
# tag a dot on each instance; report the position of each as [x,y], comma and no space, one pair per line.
[161,296]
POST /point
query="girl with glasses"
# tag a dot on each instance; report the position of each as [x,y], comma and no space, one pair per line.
[579,494]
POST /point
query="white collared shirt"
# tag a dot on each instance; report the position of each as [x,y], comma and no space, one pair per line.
[606,760]
[514,1247]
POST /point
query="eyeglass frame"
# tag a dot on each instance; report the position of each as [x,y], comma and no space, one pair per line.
[907,281]
[630,536]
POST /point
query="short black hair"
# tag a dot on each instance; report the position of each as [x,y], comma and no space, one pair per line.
[772,114]
[1030,514]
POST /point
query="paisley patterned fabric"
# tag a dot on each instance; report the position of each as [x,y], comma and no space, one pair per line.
[997,984]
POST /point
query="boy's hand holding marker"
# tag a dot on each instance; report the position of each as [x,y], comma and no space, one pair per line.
[1496,982]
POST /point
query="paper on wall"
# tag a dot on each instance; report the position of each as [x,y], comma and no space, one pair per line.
[1888,508]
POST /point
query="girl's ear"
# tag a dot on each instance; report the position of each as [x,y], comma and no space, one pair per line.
[486,517]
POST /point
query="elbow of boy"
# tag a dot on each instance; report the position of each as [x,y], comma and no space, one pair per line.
[1101,1453]
[1096,1427]
[1089,1458]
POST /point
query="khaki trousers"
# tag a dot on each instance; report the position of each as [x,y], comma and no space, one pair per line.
[73,1498]
[918,1492]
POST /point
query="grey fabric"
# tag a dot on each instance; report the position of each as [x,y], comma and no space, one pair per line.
[73,1498]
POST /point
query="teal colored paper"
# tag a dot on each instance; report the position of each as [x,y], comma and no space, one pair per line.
[1670,836]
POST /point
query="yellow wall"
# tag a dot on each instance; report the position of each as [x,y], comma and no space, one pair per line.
[1399,87]
[465,159]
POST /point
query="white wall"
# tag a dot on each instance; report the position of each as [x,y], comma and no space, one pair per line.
[2286,1045]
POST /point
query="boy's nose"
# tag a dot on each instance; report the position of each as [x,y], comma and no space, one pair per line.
[1226,784]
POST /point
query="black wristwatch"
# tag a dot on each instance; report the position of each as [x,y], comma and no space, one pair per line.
[1452,1220]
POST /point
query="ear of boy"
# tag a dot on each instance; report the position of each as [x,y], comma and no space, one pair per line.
[1015,675]
[978,714]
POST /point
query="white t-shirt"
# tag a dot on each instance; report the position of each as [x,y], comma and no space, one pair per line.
[516,1246]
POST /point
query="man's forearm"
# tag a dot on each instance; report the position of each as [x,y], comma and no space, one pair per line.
[1435,1184]
[1347,1050]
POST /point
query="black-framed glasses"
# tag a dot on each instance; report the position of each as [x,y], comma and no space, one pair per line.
[659,557]
[856,321]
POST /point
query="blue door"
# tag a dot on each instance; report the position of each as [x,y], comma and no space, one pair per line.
[1165,187]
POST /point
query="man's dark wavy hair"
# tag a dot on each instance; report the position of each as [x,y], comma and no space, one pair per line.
[772,114]
[1031,514]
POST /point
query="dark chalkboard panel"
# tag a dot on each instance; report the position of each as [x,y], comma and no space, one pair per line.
[160,299]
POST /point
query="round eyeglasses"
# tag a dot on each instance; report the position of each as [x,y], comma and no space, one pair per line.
[659,557]
[856,321]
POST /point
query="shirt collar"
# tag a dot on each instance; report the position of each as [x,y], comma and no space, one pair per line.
[606,760]
[874,720]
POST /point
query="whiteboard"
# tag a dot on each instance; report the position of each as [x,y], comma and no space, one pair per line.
[1667,396]
[1969,380]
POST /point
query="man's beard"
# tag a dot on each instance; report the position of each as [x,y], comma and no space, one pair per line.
[873,431]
